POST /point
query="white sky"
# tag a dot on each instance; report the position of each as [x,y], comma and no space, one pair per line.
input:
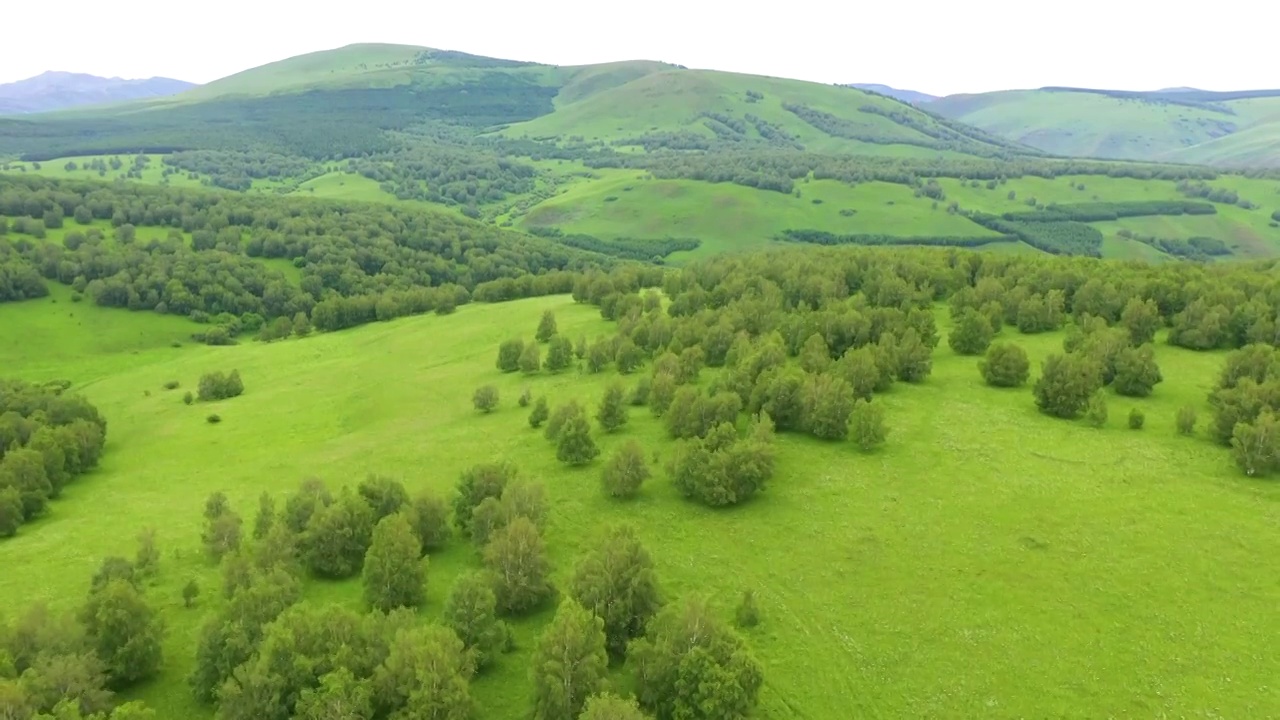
[937,46]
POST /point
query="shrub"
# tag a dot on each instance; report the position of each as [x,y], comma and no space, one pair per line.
[1066,384]
[626,471]
[1136,419]
[540,413]
[867,424]
[748,614]
[220,386]
[1006,365]
[188,398]
[1096,413]
[526,397]
[1186,420]
[171,385]
[214,419]
[485,398]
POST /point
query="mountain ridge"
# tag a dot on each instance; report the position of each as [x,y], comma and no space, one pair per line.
[61,90]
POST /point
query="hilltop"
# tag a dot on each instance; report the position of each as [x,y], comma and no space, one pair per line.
[915,97]
[63,90]
[1236,129]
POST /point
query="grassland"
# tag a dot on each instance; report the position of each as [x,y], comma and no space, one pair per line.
[987,562]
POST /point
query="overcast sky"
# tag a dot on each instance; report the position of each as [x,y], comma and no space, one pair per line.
[935,46]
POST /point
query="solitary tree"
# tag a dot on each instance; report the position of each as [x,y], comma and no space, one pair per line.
[559,354]
[530,359]
[470,612]
[395,574]
[690,664]
[626,471]
[1136,371]
[574,444]
[569,664]
[540,412]
[612,413]
[546,327]
[1006,365]
[517,557]
[1186,420]
[485,398]
[509,353]
[617,582]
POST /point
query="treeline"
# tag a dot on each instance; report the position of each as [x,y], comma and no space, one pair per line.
[1193,248]
[237,169]
[466,175]
[626,248]
[916,132]
[1055,237]
[952,135]
[1102,211]
[47,438]
[355,254]
[822,237]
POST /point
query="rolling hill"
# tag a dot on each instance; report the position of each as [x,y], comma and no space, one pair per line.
[351,101]
[915,97]
[1178,125]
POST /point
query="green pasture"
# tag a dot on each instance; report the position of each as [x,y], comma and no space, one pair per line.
[988,561]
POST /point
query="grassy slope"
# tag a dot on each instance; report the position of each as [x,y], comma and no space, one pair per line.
[673,100]
[732,217]
[1073,123]
[322,68]
[990,561]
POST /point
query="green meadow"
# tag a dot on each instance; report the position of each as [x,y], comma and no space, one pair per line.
[987,561]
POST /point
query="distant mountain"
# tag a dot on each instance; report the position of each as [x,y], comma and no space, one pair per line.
[62,90]
[907,96]
[1225,129]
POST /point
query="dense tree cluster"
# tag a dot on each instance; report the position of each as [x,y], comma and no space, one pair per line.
[48,437]
[359,262]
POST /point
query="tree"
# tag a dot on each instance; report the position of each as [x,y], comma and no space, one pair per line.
[220,386]
[617,582]
[480,481]
[1136,419]
[540,412]
[266,517]
[222,527]
[626,471]
[75,679]
[429,517]
[340,696]
[426,675]
[471,612]
[384,496]
[1096,413]
[815,356]
[301,325]
[1006,365]
[1142,319]
[1136,372]
[190,592]
[1256,445]
[569,664]
[662,392]
[914,356]
[827,401]
[574,445]
[599,355]
[517,558]
[10,511]
[629,356]
[781,392]
[395,573]
[546,326]
[747,613]
[561,417]
[509,353]
[124,632]
[1066,383]
[312,495]
[559,354]
[612,413]
[337,537]
[1186,420]
[530,359]
[972,333]
[867,421]
[23,470]
[691,665]
[485,398]
[147,559]
[607,706]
